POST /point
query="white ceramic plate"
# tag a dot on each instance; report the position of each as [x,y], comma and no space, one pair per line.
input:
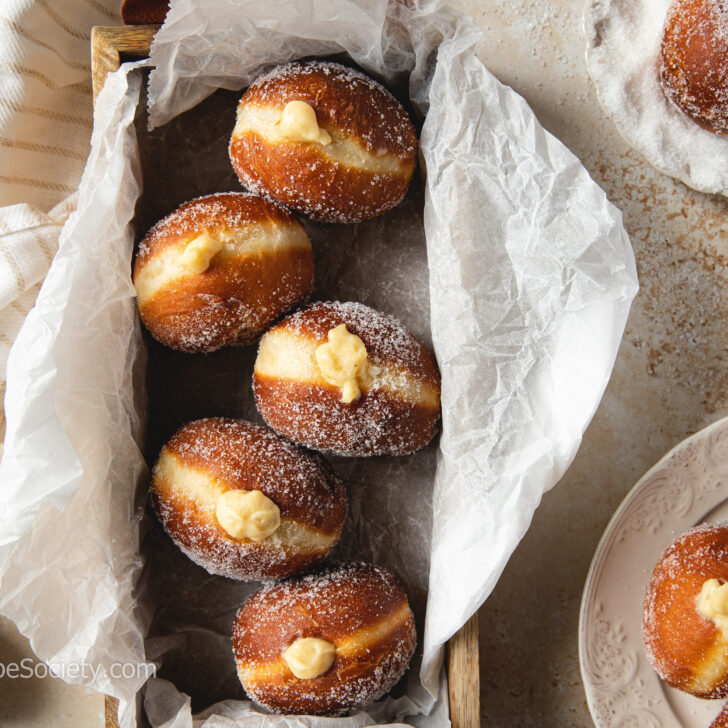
[687,487]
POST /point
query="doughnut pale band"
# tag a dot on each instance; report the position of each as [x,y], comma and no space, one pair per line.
[261,120]
[259,240]
[287,355]
[711,669]
[352,646]
[178,480]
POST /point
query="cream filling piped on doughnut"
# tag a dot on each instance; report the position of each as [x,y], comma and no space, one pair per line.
[342,361]
[287,355]
[247,514]
[172,263]
[712,603]
[309,657]
[178,480]
[350,646]
[298,124]
[200,251]
[263,121]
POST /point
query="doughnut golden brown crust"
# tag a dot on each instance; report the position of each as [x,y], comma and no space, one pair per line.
[263,268]
[694,61]
[141,12]
[207,458]
[722,720]
[687,649]
[358,608]
[364,170]
[398,411]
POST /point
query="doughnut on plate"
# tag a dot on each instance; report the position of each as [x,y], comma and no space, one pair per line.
[688,487]
[687,648]
[722,720]
[694,61]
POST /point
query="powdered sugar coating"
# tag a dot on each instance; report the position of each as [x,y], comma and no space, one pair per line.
[694,61]
[376,424]
[624,42]
[237,297]
[721,720]
[302,175]
[222,210]
[371,124]
[241,455]
[678,639]
[332,605]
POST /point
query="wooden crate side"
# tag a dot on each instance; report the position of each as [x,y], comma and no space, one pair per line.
[111,712]
[463,675]
[110,44]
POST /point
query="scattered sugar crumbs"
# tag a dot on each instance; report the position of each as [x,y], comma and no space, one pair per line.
[683,271]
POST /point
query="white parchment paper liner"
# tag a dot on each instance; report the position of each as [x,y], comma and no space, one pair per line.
[623,59]
[531,279]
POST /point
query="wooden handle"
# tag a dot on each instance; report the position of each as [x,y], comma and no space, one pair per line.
[463,676]
[110,44]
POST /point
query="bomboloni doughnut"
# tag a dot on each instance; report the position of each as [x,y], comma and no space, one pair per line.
[344,378]
[694,61]
[244,503]
[219,270]
[721,720]
[685,616]
[325,140]
[141,12]
[324,644]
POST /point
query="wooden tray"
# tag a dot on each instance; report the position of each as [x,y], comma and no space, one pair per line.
[110,46]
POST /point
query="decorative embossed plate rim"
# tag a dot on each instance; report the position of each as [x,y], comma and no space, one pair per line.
[686,487]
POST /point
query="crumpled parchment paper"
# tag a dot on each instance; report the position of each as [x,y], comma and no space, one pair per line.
[530,277]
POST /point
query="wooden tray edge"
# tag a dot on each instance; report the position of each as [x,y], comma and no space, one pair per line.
[108,45]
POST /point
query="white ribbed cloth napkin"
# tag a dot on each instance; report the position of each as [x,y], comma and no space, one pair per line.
[46,118]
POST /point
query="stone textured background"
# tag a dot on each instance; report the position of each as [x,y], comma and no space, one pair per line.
[669,381]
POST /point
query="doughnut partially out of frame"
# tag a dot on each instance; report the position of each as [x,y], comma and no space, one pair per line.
[687,649]
[359,609]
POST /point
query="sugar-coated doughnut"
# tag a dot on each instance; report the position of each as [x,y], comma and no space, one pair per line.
[344,378]
[694,61]
[324,644]
[244,503]
[141,12]
[685,616]
[721,720]
[219,270]
[325,140]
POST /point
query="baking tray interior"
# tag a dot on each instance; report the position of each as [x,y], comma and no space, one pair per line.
[381,262]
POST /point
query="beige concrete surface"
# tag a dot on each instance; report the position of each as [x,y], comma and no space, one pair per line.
[670,380]
[32,702]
